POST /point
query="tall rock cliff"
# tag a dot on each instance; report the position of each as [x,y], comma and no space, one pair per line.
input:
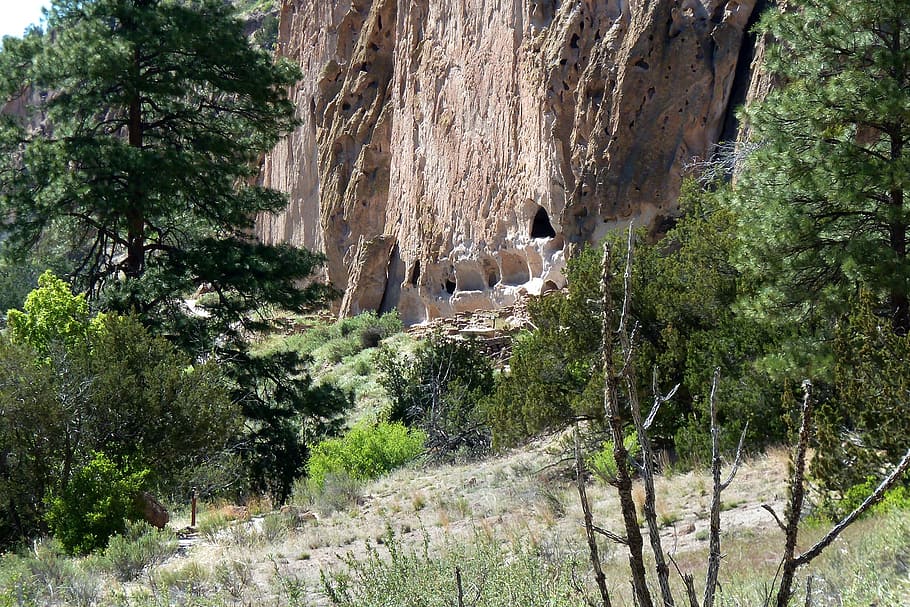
[453,152]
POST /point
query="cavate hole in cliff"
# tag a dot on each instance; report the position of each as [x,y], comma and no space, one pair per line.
[415,274]
[514,269]
[490,270]
[549,287]
[469,277]
[643,64]
[541,226]
[573,43]
[450,286]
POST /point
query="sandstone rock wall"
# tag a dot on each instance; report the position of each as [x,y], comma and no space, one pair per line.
[453,152]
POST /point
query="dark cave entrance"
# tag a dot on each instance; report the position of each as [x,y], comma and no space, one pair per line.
[541,226]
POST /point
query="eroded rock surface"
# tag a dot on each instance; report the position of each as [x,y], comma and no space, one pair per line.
[453,152]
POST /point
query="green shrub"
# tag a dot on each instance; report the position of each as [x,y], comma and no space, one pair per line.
[602,462]
[333,342]
[365,452]
[53,314]
[438,389]
[95,505]
[141,546]
[45,575]
[494,574]
[338,492]
[108,382]
[898,498]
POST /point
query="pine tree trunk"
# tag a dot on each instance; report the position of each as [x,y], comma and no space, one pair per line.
[900,304]
[135,220]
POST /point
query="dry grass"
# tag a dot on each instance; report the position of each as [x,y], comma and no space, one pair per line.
[518,502]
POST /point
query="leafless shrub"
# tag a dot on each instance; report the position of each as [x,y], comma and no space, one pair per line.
[632,540]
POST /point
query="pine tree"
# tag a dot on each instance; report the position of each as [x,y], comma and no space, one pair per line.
[823,195]
[134,129]
[139,127]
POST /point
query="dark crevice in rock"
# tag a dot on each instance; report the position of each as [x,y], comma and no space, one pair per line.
[743,74]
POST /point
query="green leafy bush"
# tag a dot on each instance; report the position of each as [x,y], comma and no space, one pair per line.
[53,314]
[365,452]
[602,462]
[898,498]
[95,505]
[140,546]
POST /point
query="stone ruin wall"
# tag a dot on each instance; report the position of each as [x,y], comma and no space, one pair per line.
[453,153]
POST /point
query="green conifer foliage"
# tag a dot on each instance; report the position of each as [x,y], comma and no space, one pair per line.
[864,426]
[824,195]
[139,129]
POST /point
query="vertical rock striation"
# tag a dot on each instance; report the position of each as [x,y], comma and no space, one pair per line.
[452,152]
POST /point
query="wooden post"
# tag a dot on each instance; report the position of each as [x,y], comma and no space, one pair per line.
[193,509]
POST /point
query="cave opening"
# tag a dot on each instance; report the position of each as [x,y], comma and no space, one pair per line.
[541,226]
[450,286]
[415,273]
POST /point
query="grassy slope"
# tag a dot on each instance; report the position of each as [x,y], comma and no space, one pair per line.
[511,523]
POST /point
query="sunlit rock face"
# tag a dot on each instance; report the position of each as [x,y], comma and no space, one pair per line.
[453,153]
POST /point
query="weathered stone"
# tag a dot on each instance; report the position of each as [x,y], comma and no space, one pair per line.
[486,140]
[369,275]
[152,511]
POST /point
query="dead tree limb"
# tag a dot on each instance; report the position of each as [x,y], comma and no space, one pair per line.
[797,496]
[848,520]
[613,537]
[776,518]
[688,581]
[620,454]
[589,524]
[658,399]
[718,486]
[644,442]
[714,541]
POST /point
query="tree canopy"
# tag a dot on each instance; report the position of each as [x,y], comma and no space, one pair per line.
[133,132]
[136,133]
[823,196]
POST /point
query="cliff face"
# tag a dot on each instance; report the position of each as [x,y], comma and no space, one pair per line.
[452,152]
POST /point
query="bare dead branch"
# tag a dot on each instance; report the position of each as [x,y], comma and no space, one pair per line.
[776,518]
[688,581]
[620,454]
[627,281]
[726,159]
[848,520]
[797,496]
[714,534]
[736,460]
[613,537]
[647,467]
[589,524]
[658,399]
